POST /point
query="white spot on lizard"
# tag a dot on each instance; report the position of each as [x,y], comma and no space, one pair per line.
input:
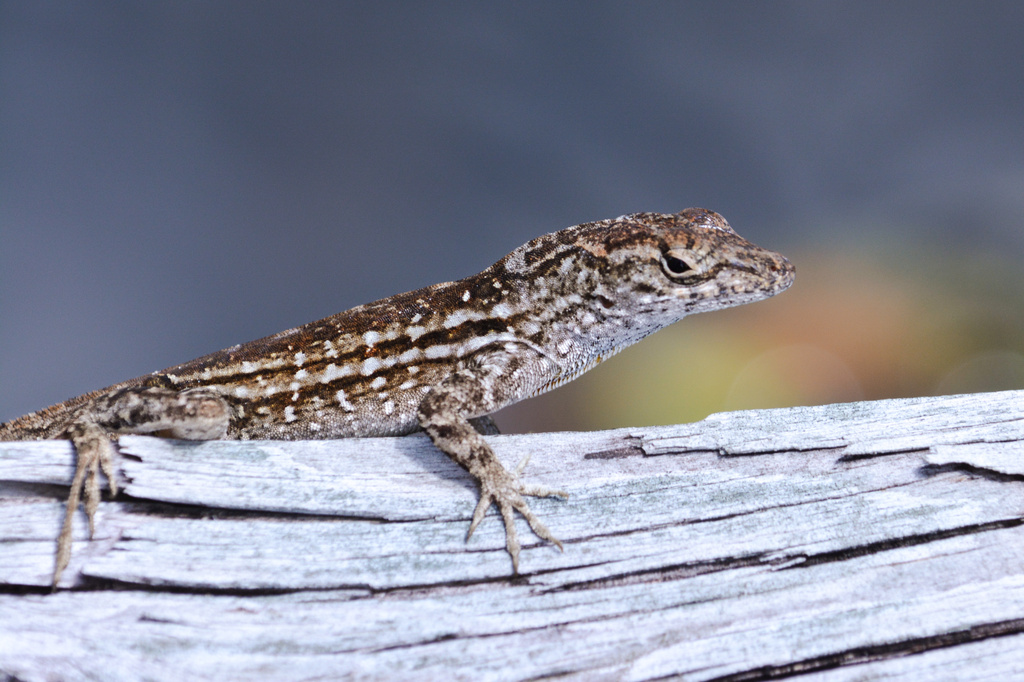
[370,365]
[456,318]
[332,372]
[439,351]
[410,355]
[343,401]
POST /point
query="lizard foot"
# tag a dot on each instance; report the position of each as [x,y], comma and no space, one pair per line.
[506,491]
[95,453]
[196,414]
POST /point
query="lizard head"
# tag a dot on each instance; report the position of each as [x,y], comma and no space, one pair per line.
[656,268]
[615,281]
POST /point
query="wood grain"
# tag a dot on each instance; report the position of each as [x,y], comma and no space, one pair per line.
[854,541]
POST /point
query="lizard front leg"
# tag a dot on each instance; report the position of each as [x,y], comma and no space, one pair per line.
[196,414]
[485,382]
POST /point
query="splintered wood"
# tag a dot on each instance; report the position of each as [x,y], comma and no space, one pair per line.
[854,541]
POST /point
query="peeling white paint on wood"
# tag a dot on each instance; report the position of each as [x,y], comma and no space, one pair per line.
[865,540]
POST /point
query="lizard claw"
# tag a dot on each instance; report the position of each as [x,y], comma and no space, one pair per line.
[522,464]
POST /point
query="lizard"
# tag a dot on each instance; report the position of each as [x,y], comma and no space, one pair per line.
[439,359]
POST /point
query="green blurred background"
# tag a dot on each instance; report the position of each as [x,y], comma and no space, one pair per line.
[176,178]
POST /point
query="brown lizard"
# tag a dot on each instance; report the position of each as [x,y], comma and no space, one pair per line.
[438,359]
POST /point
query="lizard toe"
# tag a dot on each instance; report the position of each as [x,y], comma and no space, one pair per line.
[478,514]
[541,491]
[511,537]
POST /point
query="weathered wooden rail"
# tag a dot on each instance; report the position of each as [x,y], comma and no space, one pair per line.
[853,541]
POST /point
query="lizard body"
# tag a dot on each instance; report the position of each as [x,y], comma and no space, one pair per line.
[439,359]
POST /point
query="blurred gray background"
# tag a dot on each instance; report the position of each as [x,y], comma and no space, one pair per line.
[179,177]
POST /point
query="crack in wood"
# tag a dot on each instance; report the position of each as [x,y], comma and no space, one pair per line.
[783,561]
[847,553]
[876,652]
[725,452]
[664,574]
[971,470]
[91,583]
[617,453]
[887,453]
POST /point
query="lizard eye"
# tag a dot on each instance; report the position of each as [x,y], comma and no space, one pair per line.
[676,267]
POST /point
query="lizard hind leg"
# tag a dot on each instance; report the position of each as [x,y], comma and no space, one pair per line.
[95,452]
[196,414]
